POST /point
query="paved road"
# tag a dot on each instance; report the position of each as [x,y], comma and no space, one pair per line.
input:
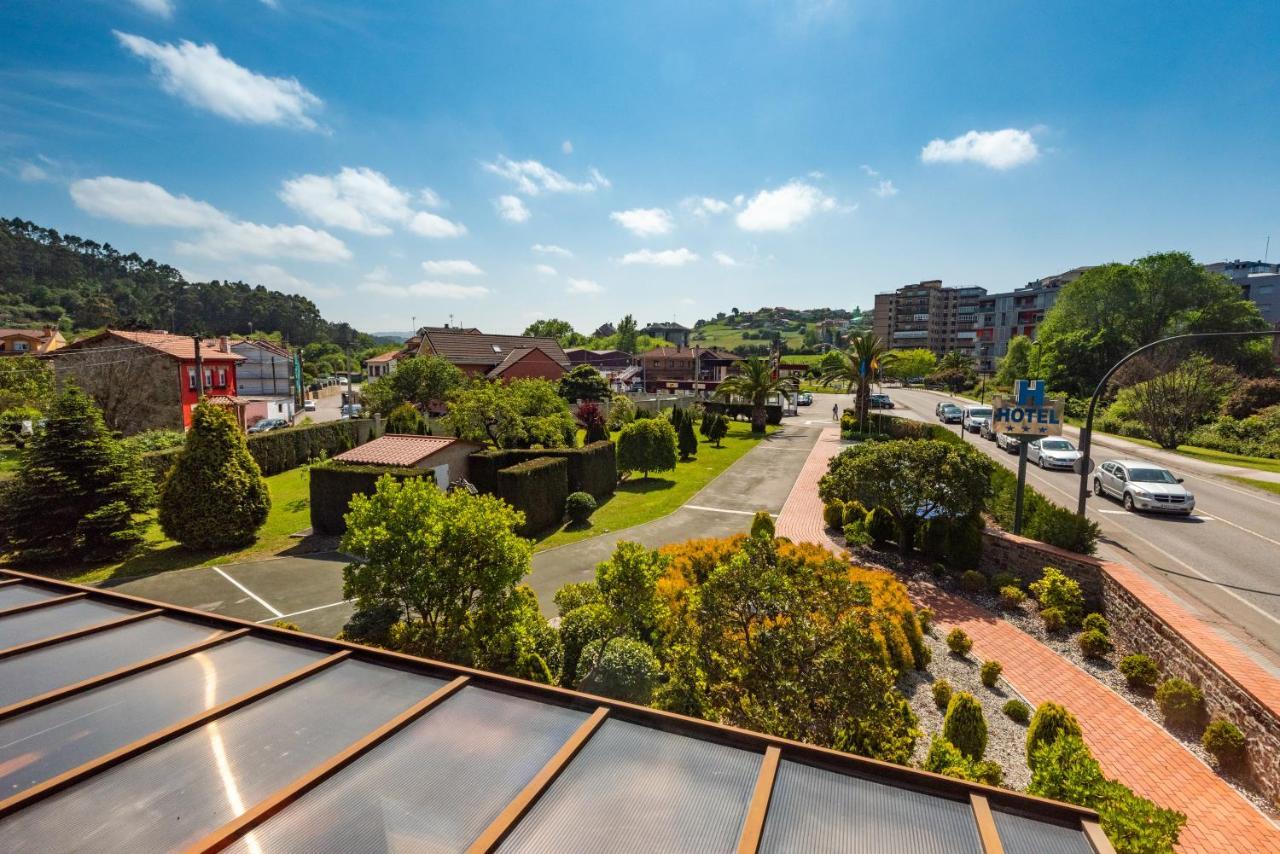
[1224,561]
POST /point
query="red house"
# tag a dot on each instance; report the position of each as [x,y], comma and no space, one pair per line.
[149,380]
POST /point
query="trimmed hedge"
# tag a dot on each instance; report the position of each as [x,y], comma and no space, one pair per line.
[537,488]
[592,469]
[772,411]
[333,485]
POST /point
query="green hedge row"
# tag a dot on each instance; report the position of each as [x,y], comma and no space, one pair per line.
[281,450]
[772,411]
[538,488]
[592,469]
[893,427]
[1041,519]
[334,484]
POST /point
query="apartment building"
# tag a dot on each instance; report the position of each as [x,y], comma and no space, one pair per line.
[1003,316]
[929,316]
[1259,282]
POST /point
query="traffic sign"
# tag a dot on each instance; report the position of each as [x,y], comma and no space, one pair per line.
[1028,414]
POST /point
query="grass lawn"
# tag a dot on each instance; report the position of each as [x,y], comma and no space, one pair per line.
[1209,455]
[1257,484]
[8,461]
[290,513]
[638,500]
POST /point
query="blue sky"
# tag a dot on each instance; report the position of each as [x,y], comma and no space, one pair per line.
[670,159]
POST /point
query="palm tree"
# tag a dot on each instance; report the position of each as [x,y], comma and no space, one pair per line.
[754,383]
[858,368]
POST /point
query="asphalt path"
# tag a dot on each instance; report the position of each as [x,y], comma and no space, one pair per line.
[1223,561]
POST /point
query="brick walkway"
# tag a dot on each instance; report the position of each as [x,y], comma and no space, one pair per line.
[1128,744]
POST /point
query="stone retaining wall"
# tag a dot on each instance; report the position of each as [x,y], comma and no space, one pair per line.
[1144,619]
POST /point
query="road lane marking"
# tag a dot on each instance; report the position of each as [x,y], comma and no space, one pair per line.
[724,510]
[1242,528]
[307,611]
[254,596]
[1217,482]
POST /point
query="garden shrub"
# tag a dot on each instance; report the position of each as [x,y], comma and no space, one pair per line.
[1011,597]
[921,655]
[281,450]
[1049,722]
[590,621]
[538,489]
[592,469]
[372,626]
[931,540]
[406,419]
[925,618]
[833,514]
[287,626]
[574,595]
[964,542]
[959,643]
[853,512]
[715,427]
[215,496]
[332,486]
[1016,710]
[623,668]
[880,526]
[990,672]
[973,581]
[1252,396]
[1057,590]
[579,506]
[855,534]
[1225,741]
[1065,770]
[621,412]
[945,758]
[941,693]
[1005,579]
[964,726]
[1053,619]
[1096,622]
[1042,519]
[647,445]
[1094,644]
[1141,671]
[593,423]
[1180,702]
[762,524]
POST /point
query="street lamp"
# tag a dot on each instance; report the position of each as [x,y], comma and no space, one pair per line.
[1086,433]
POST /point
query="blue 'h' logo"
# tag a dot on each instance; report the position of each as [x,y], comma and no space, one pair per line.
[1029,392]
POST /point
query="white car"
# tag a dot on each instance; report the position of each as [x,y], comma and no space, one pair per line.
[1143,486]
[309,405]
[1053,453]
[1008,442]
[976,417]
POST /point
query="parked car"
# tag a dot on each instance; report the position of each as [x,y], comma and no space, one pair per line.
[1143,486]
[881,401]
[1052,453]
[309,405]
[988,432]
[268,424]
[1008,442]
[351,410]
[949,413]
[975,417]
[804,399]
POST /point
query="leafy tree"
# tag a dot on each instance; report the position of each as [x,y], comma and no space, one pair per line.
[552,327]
[450,564]
[628,332]
[858,368]
[592,420]
[517,414]
[955,371]
[621,412]
[583,383]
[1113,309]
[78,490]
[686,439]
[1172,404]
[1017,363]
[755,383]
[911,480]
[426,382]
[25,382]
[621,667]
[646,445]
[406,419]
[1252,396]
[907,364]
[214,497]
[715,426]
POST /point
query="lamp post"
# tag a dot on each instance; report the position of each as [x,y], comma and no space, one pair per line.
[1086,432]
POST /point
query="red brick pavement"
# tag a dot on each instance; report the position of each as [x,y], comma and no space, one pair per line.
[1128,744]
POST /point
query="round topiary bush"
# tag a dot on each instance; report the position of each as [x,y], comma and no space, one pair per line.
[959,643]
[579,506]
[833,514]
[1056,589]
[854,512]
[1225,741]
[762,525]
[1096,623]
[1011,597]
[925,617]
[973,581]
[964,726]
[990,672]
[1049,723]
[1016,710]
[941,693]
[1094,644]
[1053,620]
[1180,702]
[880,526]
[1141,671]
[1004,579]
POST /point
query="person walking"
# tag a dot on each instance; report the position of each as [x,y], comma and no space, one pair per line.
[835,412]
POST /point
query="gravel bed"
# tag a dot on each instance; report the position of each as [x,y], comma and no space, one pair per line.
[1006,739]
[915,571]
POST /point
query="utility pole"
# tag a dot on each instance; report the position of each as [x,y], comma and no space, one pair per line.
[1022,483]
[199,369]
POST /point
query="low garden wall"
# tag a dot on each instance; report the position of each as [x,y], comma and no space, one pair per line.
[1143,619]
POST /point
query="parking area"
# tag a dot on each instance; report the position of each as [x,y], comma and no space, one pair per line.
[303,590]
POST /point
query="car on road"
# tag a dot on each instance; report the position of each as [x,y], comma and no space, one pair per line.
[988,431]
[1008,442]
[309,405]
[1052,453]
[1143,486]
[351,410]
[881,401]
[268,424]
[949,413]
[804,399]
[975,417]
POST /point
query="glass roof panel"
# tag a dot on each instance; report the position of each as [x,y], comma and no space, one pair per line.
[55,620]
[12,595]
[1022,835]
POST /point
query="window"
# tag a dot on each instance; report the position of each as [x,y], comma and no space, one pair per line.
[222,377]
[208,377]
[191,379]
[20,346]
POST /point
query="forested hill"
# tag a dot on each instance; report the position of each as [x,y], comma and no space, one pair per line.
[47,277]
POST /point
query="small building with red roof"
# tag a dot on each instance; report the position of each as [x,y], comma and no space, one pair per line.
[444,456]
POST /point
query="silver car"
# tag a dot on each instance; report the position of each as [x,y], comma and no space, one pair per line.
[1008,442]
[976,418]
[1052,453]
[1143,486]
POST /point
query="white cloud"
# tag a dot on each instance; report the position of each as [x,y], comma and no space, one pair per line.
[378,281]
[688,301]
[364,201]
[724,259]
[280,279]
[545,270]
[511,209]
[221,236]
[870,172]
[454,267]
[665,258]
[161,8]
[598,178]
[784,208]
[203,77]
[645,222]
[567,147]
[739,200]
[705,206]
[32,174]
[584,286]
[532,178]
[995,149]
[884,189]
[431,225]
[551,249]
[430,198]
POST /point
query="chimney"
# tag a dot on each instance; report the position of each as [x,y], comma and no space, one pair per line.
[224,344]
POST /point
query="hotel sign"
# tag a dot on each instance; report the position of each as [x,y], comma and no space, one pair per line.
[1028,414]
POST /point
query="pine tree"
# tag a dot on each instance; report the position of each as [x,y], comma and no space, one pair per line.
[78,492]
[686,439]
[215,496]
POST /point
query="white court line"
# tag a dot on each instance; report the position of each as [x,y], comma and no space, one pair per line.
[724,510]
[307,611]
[254,596]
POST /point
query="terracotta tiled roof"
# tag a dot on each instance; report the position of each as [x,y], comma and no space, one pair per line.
[177,346]
[384,357]
[396,449]
[474,348]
